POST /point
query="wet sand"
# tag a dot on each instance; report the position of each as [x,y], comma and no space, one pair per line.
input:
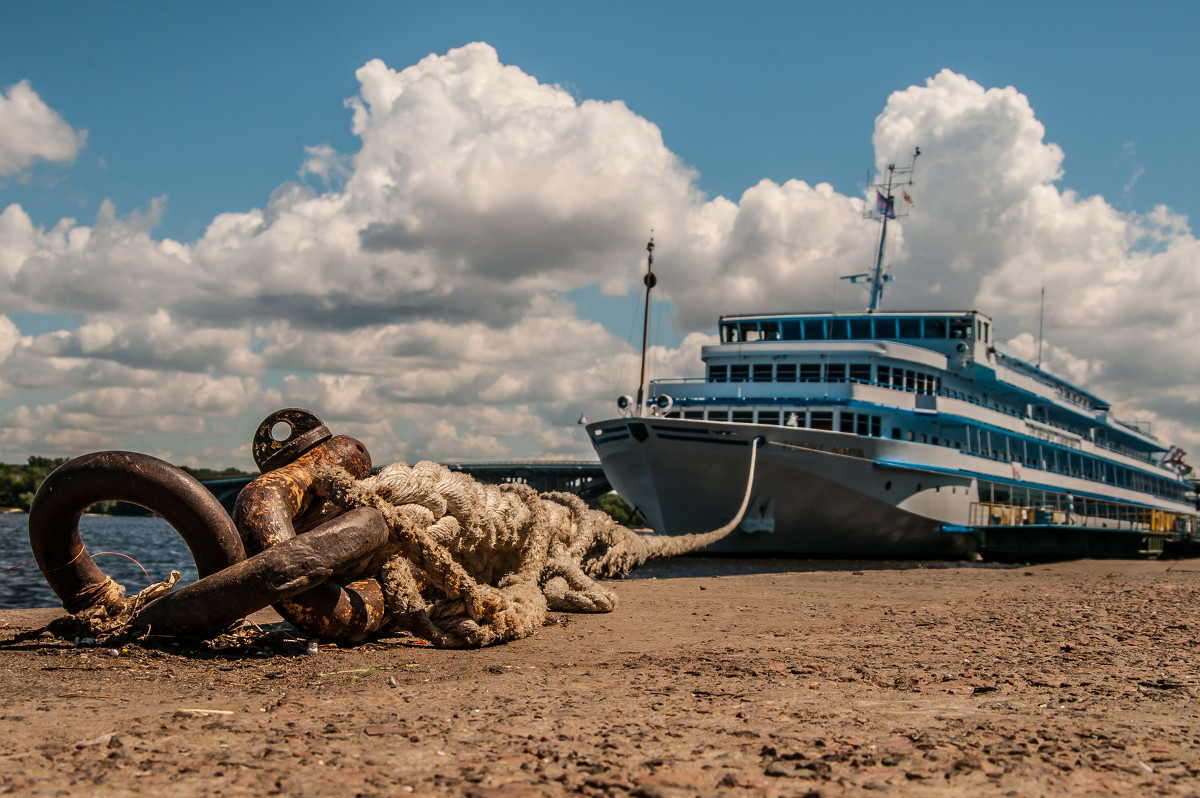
[729,679]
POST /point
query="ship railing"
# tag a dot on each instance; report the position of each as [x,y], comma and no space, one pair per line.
[661,385]
[1137,427]
[1115,447]
[1083,512]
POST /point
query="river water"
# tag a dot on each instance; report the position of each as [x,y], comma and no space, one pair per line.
[150,541]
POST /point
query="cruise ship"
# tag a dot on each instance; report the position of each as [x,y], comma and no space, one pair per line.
[891,435]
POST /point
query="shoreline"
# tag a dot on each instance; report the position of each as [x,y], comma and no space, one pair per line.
[1053,679]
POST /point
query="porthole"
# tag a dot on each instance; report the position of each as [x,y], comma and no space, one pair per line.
[887,485]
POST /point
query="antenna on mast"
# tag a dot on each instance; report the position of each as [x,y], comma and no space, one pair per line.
[650,280]
[885,209]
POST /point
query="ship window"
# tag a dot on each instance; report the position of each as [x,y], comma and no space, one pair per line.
[862,424]
[749,331]
[885,375]
[770,331]
[718,373]
[838,330]
[693,414]
[935,328]
[729,333]
[910,435]
[768,417]
[762,372]
[835,372]
[885,328]
[718,415]
[910,380]
[791,330]
[785,372]
[739,373]
[860,329]
[822,419]
[896,433]
[743,416]
[860,372]
[814,329]
[846,422]
[909,328]
[876,427]
[810,372]
[960,328]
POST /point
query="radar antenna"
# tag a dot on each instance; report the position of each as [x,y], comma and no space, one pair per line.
[885,209]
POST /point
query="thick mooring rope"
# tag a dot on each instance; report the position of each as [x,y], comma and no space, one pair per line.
[470,564]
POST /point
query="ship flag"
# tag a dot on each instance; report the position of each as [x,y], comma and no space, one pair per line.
[885,205]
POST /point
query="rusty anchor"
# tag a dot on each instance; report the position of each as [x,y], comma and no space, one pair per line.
[299,572]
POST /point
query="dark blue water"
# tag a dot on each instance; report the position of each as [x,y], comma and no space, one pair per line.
[150,541]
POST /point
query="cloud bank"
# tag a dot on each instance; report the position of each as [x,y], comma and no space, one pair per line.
[418,297]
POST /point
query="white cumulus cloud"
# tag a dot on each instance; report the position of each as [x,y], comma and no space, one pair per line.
[30,130]
[418,300]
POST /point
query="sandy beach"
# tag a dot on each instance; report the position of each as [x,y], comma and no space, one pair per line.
[735,678]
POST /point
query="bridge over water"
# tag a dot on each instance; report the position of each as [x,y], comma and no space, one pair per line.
[586,479]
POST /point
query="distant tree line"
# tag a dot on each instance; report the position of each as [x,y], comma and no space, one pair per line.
[20,483]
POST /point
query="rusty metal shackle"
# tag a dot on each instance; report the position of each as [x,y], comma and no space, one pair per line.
[155,484]
[266,511]
[290,568]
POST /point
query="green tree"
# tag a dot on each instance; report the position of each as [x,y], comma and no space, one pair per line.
[618,509]
[20,483]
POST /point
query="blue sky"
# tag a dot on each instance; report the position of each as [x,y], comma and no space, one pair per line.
[213,105]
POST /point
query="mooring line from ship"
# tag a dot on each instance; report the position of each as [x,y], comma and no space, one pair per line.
[670,545]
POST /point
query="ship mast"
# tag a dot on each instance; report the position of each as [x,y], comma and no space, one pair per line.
[885,209]
[650,280]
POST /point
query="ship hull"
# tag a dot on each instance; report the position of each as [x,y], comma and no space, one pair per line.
[814,494]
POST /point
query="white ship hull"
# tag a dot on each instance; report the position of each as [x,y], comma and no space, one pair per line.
[815,494]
